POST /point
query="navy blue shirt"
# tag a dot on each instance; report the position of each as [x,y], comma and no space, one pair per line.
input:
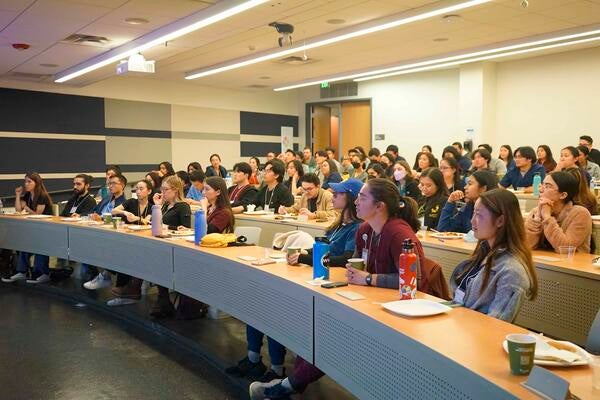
[514,178]
[454,219]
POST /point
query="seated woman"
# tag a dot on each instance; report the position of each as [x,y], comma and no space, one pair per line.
[424,161]
[506,156]
[569,158]
[215,168]
[375,170]
[434,197]
[34,199]
[315,203]
[194,166]
[556,221]
[358,163]
[154,179]
[128,290]
[405,182]
[219,215]
[185,180]
[176,214]
[165,169]
[585,197]
[386,160]
[452,177]
[481,160]
[500,272]
[330,174]
[458,211]
[295,172]
[342,234]
[256,176]
[545,159]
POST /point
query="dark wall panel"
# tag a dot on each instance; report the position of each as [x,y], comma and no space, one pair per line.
[259,149]
[51,155]
[252,123]
[29,111]
[7,188]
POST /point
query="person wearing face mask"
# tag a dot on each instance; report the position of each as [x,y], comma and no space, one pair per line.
[82,202]
[405,182]
[387,160]
[358,165]
[458,210]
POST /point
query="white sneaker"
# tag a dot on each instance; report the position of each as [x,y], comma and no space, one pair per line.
[98,283]
[19,276]
[40,279]
[120,301]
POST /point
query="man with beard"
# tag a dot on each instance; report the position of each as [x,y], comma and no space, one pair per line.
[82,202]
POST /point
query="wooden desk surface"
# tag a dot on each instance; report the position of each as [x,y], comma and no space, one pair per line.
[467,337]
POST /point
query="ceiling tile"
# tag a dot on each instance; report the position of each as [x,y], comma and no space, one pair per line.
[15,5]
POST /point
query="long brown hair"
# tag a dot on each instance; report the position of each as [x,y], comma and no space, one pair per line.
[584,196]
[39,191]
[222,202]
[349,208]
[383,190]
[510,238]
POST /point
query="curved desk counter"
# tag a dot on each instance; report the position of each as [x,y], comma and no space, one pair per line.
[374,354]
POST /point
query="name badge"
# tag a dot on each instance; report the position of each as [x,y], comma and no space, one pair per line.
[73,210]
[459,296]
[365,256]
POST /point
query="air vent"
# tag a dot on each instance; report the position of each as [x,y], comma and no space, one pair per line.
[340,90]
[256,86]
[25,76]
[296,60]
[88,40]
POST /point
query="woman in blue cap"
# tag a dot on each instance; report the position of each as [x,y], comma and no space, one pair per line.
[341,236]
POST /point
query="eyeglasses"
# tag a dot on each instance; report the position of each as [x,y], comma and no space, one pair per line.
[113,183]
[164,189]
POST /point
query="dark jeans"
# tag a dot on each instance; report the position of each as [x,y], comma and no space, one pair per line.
[255,341]
[41,264]
[304,374]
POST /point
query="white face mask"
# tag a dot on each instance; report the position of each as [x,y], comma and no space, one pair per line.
[399,174]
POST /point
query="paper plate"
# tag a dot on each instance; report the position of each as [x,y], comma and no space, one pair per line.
[38,216]
[549,363]
[139,227]
[448,235]
[416,307]
[261,212]
[70,219]
[187,232]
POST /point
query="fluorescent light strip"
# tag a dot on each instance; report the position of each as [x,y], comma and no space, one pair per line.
[164,38]
[441,60]
[477,59]
[330,40]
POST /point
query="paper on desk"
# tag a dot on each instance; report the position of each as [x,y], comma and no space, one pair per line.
[546,258]
[317,282]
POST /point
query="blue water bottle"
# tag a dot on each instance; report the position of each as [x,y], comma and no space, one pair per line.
[199,226]
[537,181]
[320,253]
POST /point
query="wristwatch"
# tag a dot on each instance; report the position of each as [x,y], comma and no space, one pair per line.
[368,279]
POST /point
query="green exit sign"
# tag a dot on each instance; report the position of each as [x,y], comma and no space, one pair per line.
[324,85]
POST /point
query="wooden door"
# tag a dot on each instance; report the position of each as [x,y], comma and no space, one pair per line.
[321,127]
[356,126]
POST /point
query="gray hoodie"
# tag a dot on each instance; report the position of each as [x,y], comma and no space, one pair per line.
[507,287]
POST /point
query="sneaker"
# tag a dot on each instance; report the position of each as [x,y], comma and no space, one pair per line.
[127,291]
[98,283]
[271,375]
[19,276]
[246,368]
[273,390]
[120,301]
[40,279]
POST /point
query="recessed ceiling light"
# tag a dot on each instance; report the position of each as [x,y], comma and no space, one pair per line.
[336,21]
[451,18]
[264,77]
[136,21]
[441,39]
[48,65]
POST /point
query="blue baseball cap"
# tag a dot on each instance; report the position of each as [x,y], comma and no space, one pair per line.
[351,186]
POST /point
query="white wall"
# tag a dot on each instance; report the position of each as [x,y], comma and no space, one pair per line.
[550,100]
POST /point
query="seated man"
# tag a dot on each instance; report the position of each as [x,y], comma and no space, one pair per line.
[242,193]
[116,187]
[316,203]
[195,196]
[526,167]
[82,202]
[274,193]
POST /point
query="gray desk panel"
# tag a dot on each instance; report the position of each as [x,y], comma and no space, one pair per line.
[277,307]
[137,256]
[376,362]
[38,237]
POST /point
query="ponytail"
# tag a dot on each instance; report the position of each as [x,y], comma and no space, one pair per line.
[383,190]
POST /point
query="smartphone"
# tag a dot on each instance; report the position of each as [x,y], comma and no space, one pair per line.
[263,261]
[332,285]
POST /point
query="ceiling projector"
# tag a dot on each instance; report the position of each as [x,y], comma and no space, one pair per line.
[135,63]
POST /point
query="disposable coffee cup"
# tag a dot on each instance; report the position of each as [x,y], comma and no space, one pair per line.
[115,222]
[521,352]
[107,218]
[357,263]
[293,250]
[250,207]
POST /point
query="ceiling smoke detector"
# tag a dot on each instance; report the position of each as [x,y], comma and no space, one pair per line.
[136,21]
[296,60]
[451,18]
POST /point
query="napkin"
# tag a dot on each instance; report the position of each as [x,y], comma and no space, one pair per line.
[554,351]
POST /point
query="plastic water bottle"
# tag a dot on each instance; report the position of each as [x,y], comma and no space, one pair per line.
[156,220]
[1,207]
[199,226]
[320,253]
[537,181]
